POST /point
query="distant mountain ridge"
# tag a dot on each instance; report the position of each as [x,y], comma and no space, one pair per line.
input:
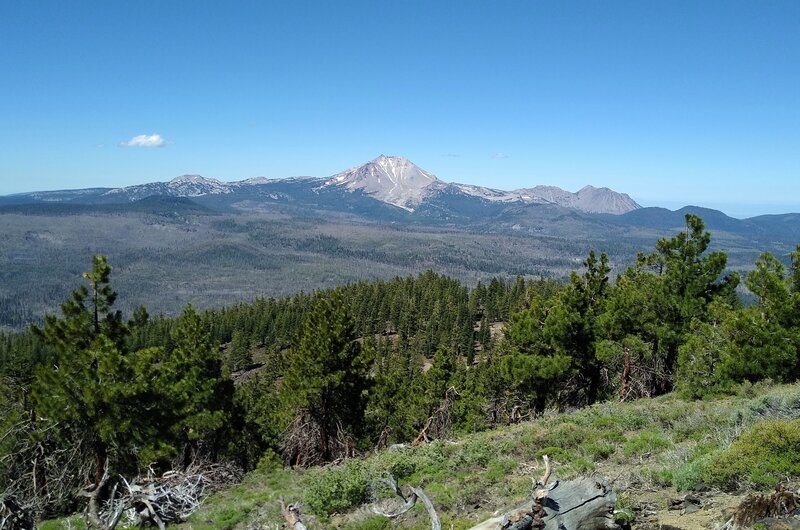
[393,180]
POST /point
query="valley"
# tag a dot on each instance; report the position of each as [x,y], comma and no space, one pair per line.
[215,244]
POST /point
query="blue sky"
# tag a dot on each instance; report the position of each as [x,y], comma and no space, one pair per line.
[679,102]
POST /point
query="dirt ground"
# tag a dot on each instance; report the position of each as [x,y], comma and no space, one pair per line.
[654,511]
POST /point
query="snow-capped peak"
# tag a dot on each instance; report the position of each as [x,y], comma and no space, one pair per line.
[392,179]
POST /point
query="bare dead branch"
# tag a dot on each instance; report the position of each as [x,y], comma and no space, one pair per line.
[291,514]
[435,524]
[408,503]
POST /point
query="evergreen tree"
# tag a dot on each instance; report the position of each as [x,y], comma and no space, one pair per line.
[691,278]
[131,406]
[91,381]
[765,338]
[530,369]
[194,395]
[239,355]
[795,270]
[570,327]
[701,356]
[658,301]
[327,380]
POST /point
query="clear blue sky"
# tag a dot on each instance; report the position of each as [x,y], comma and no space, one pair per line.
[673,102]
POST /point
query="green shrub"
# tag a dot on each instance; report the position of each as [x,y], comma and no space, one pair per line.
[762,455]
[633,419]
[400,463]
[691,474]
[556,453]
[337,489]
[661,478]
[499,469]
[269,461]
[566,435]
[612,435]
[581,466]
[644,442]
[598,451]
[475,452]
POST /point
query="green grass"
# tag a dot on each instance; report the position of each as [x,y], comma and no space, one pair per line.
[665,443]
[681,445]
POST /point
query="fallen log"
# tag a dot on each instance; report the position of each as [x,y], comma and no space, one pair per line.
[582,504]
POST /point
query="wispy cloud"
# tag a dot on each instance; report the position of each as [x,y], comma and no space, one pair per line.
[500,156]
[453,155]
[145,140]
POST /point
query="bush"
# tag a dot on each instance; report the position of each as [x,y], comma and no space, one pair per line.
[499,469]
[556,454]
[661,478]
[761,457]
[566,435]
[647,441]
[400,463]
[337,489]
[691,474]
[598,451]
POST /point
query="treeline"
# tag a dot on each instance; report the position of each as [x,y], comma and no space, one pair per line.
[317,377]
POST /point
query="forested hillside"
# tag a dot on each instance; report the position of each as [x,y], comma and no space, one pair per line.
[323,376]
[168,251]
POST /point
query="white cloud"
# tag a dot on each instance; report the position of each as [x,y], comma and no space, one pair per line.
[145,140]
[500,156]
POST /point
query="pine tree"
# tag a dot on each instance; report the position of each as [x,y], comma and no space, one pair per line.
[193,393]
[92,383]
[570,327]
[327,381]
[239,355]
[528,366]
[659,299]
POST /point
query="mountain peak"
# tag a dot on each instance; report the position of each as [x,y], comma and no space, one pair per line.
[392,179]
[604,200]
[193,179]
[196,185]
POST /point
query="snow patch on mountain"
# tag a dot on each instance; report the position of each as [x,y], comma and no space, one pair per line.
[391,179]
[589,199]
[196,186]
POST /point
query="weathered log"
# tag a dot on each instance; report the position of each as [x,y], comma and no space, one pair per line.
[583,504]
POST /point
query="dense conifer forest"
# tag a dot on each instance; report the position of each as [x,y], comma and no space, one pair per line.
[319,377]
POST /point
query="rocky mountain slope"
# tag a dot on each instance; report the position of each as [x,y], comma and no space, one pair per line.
[391,179]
